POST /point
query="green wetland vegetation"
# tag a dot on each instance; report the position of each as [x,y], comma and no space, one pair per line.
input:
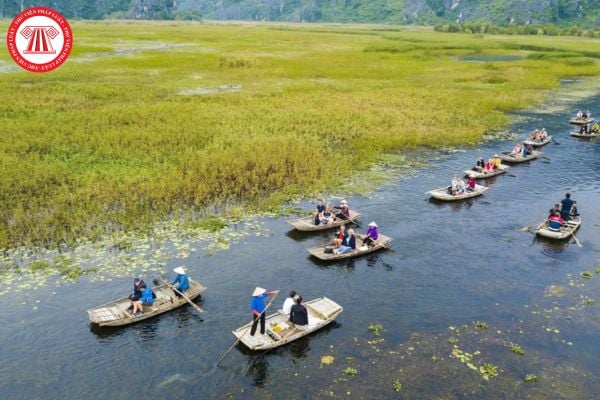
[170,121]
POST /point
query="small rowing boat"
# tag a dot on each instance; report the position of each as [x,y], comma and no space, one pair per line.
[581,121]
[484,175]
[443,195]
[116,313]
[584,135]
[280,330]
[539,143]
[566,230]
[306,224]
[513,159]
[382,242]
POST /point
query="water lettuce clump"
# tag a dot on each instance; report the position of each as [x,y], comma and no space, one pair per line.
[488,371]
[481,325]
[350,371]
[586,274]
[376,329]
[530,378]
[515,348]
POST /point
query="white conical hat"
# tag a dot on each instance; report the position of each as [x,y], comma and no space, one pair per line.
[258,291]
[373,224]
[343,202]
[179,271]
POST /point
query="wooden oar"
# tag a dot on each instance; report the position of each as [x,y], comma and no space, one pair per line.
[572,232]
[555,142]
[182,295]
[546,158]
[247,330]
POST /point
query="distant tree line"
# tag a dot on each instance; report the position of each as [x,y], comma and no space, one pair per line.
[484,27]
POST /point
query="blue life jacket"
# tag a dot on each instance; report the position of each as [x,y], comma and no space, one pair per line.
[554,225]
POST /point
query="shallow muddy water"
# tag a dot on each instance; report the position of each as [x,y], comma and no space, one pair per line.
[452,264]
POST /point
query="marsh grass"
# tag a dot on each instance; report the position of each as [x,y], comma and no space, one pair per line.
[106,143]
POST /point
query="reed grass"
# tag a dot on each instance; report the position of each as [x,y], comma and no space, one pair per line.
[142,123]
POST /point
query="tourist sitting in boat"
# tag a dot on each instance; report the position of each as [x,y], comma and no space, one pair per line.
[147,299]
[289,302]
[348,243]
[554,210]
[497,161]
[458,186]
[595,128]
[543,134]
[527,150]
[535,135]
[340,235]
[320,206]
[565,206]
[574,214]
[479,165]
[137,292]
[327,215]
[517,150]
[182,281]
[583,129]
[471,183]
[585,114]
[371,235]
[344,212]
[579,116]
[299,314]
[316,217]
[258,308]
[555,222]
[490,165]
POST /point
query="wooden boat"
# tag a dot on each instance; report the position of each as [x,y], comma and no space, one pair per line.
[576,121]
[306,224]
[584,135]
[510,158]
[442,193]
[115,313]
[566,229]
[280,330]
[381,243]
[539,143]
[484,175]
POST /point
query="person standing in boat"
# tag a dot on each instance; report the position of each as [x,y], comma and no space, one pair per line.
[566,204]
[371,235]
[348,244]
[344,212]
[258,309]
[299,314]
[182,281]
[289,302]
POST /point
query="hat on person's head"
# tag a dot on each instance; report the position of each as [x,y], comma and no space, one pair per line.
[343,202]
[472,176]
[373,224]
[258,291]
[179,270]
[496,155]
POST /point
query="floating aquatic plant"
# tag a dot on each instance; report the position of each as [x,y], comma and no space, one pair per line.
[397,385]
[350,371]
[376,329]
[530,378]
[586,274]
[515,348]
[488,371]
[327,360]
[481,325]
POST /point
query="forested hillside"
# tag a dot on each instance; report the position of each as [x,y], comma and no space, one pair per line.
[583,13]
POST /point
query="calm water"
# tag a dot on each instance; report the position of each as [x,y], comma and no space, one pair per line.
[453,263]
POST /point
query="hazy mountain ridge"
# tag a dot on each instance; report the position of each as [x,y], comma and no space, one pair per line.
[584,13]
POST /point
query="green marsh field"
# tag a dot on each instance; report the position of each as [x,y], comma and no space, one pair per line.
[158,121]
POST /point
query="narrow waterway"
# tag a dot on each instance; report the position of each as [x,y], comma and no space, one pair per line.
[452,264]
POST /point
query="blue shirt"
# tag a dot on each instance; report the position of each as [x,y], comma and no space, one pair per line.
[147,296]
[566,205]
[258,303]
[184,282]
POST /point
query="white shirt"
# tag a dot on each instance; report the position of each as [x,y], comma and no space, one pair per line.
[287,305]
